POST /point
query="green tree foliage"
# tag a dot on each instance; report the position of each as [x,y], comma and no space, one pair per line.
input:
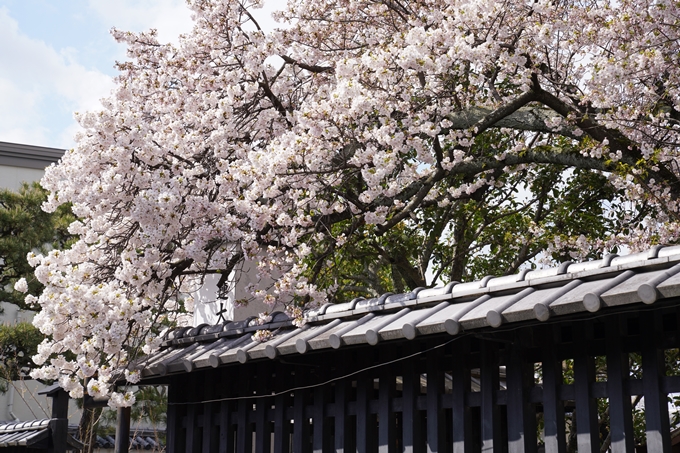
[17,344]
[496,229]
[150,408]
[25,227]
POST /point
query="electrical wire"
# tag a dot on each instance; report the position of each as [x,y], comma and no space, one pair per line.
[397,360]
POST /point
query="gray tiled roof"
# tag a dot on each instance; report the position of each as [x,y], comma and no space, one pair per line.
[28,156]
[530,296]
[24,434]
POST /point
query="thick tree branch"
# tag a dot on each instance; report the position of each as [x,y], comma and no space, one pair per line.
[493,118]
[524,119]
[311,68]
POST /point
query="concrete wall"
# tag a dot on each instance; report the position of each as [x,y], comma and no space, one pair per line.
[21,401]
[207,305]
[12,177]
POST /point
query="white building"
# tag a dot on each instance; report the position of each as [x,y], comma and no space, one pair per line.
[19,163]
[25,163]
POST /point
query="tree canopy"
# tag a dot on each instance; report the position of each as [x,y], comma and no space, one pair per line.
[362,144]
[25,228]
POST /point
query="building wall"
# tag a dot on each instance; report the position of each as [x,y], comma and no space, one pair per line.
[25,163]
[12,177]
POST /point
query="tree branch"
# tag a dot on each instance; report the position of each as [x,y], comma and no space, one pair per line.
[311,68]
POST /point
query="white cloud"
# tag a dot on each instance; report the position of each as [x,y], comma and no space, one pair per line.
[19,114]
[40,87]
[170,17]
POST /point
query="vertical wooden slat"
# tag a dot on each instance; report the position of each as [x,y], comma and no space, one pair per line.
[411,433]
[491,417]
[226,435]
[122,444]
[281,423]
[262,431]
[341,427]
[521,413]
[226,432]
[190,442]
[208,432]
[321,431]
[244,435]
[587,433]
[553,407]
[210,391]
[362,414]
[386,431]
[461,415]
[653,369]
[174,417]
[300,422]
[193,439]
[618,374]
[435,388]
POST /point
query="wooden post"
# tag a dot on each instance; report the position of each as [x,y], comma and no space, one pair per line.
[364,386]
[653,370]
[553,407]
[491,416]
[341,434]
[123,430]
[435,415]
[300,422]
[461,414]
[386,421]
[281,424]
[262,425]
[320,441]
[521,413]
[587,434]
[410,414]
[59,422]
[618,374]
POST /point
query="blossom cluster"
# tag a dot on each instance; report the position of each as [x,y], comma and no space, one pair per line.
[209,153]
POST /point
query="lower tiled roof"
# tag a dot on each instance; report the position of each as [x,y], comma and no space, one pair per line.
[530,296]
[24,434]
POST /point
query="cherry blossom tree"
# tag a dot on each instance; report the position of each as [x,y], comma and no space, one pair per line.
[360,118]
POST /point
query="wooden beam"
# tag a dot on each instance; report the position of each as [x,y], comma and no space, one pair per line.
[123,431]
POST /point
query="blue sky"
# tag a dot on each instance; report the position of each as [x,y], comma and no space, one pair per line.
[57,57]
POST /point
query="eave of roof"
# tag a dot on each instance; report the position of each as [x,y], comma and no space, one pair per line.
[530,296]
[24,434]
[28,156]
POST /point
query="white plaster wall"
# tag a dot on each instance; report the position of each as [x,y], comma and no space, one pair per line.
[28,405]
[12,177]
[207,305]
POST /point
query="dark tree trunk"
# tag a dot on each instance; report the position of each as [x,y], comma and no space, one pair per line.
[87,427]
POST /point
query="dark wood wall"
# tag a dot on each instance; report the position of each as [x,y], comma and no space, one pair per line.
[510,390]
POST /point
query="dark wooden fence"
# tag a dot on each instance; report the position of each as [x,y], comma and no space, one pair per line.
[491,391]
